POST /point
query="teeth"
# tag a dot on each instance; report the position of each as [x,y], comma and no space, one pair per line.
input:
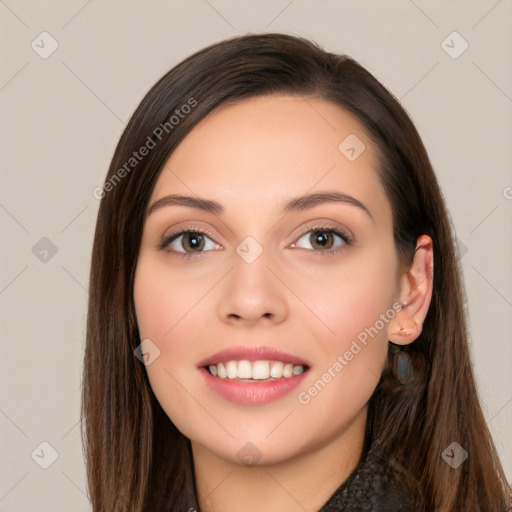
[255,370]
[231,369]
[260,370]
[297,369]
[244,370]
[221,370]
[277,370]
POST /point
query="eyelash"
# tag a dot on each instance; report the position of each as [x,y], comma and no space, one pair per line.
[186,255]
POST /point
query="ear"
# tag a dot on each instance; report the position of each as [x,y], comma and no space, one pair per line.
[415,293]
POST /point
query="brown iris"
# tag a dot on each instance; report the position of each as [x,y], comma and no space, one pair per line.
[195,241]
[322,238]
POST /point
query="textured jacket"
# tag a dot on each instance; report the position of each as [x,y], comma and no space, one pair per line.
[372,487]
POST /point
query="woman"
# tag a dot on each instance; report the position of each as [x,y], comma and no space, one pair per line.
[276,316]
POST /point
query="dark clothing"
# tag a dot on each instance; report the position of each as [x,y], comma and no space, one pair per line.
[372,488]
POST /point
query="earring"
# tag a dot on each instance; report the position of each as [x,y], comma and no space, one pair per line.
[402,367]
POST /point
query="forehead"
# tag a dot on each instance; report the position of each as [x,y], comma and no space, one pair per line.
[270,148]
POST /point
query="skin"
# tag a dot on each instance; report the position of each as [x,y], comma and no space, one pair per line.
[251,157]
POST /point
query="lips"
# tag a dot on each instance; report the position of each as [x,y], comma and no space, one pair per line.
[238,353]
[251,394]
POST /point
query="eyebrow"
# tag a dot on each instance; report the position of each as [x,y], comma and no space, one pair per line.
[296,204]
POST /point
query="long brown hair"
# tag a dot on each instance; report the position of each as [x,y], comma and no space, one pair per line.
[136,459]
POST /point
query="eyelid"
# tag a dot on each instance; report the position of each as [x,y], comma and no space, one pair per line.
[325,225]
[167,239]
[314,225]
[196,228]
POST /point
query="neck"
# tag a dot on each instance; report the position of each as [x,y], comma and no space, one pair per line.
[303,482]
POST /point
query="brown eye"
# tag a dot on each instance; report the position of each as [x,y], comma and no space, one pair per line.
[193,241]
[188,242]
[322,239]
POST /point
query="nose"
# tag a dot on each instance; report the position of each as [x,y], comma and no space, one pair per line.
[251,293]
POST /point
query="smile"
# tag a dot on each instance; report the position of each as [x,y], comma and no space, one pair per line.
[253,371]
[252,390]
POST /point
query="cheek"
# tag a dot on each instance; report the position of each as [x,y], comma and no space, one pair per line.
[349,297]
[162,300]
[173,321]
[352,306]
[353,357]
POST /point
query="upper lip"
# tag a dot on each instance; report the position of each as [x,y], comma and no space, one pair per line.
[237,353]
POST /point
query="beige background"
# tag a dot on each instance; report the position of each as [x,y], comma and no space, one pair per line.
[62,117]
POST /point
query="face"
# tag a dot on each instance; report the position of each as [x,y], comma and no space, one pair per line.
[317,280]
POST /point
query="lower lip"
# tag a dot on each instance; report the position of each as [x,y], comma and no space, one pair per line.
[252,393]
